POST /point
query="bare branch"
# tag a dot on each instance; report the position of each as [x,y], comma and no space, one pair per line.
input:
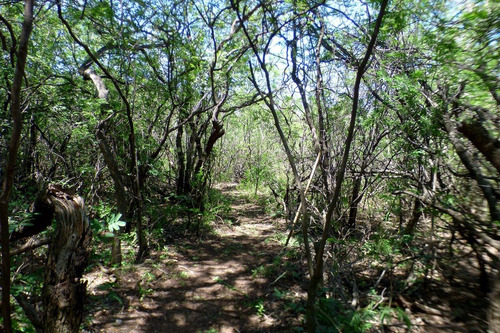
[30,245]
[30,311]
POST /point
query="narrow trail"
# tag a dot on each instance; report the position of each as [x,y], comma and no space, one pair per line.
[230,282]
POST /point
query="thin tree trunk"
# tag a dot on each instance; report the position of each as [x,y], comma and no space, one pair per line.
[269,100]
[471,164]
[355,200]
[120,195]
[29,164]
[489,146]
[192,147]
[322,135]
[297,215]
[317,277]
[181,168]
[415,216]
[8,182]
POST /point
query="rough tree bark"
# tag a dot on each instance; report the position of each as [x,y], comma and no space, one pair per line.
[494,310]
[482,140]
[64,292]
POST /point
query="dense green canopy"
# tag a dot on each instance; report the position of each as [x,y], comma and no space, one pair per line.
[371,126]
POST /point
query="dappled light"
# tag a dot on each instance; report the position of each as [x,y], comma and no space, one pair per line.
[250,166]
[195,285]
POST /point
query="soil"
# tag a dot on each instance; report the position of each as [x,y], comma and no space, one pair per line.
[228,282]
[241,279]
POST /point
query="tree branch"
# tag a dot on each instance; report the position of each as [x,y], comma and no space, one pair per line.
[30,312]
[30,245]
[468,161]
[481,139]
[458,217]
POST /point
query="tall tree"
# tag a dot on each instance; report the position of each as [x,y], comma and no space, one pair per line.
[19,57]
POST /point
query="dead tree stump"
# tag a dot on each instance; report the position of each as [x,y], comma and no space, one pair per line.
[494,310]
[64,292]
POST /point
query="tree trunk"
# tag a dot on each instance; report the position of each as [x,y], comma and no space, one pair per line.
[317,276]
[180,163]
[8,182]
[216,134]
[64,293]
[29,166]
[201,170]
[415,216]
[355,200]
[489,146]
[120,194]
[494,310]
[473,167]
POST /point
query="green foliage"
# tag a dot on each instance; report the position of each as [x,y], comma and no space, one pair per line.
[171,66]
[144,291]
[106,222]
[217,203]
[380,247]
[21,215]
[216,208]
[112,296]
[114,224]
[333,316]
[26,284]
[211,330]
[259,306]
[20,323]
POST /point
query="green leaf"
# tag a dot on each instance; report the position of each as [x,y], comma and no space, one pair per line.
[114,222]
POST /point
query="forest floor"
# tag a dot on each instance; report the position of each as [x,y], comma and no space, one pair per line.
[227,282]
[240,278]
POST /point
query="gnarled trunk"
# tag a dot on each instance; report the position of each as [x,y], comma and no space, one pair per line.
[64,292]
[494,310]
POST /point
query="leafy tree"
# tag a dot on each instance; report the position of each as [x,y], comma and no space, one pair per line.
[364,132]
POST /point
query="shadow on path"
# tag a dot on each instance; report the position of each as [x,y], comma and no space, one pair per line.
[232,282]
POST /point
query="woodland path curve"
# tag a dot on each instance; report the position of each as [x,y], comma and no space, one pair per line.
[228,282]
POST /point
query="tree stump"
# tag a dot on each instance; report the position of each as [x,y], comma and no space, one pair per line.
[64,292]
[494,310]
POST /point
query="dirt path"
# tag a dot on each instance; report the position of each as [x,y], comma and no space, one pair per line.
[227,283]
